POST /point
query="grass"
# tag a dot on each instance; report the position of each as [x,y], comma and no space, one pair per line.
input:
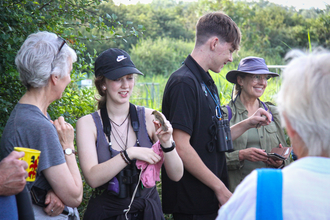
[148,91]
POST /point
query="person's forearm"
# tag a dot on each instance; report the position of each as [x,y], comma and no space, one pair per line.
[260,118]
[194,165]
[239,128]
[102,173]
[2,189]
[173,165]
[74,170]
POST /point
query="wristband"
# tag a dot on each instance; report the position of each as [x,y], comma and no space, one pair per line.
[126,155]
[165,150]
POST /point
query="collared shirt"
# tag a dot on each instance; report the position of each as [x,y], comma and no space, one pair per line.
[305,194]
[189,108]
[267,137]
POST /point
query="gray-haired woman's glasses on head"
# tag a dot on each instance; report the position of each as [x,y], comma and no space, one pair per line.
[59,50]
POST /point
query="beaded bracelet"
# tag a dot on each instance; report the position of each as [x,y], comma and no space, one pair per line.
[127,157]
[124,158]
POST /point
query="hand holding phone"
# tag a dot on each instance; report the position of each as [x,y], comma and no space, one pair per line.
[280,153]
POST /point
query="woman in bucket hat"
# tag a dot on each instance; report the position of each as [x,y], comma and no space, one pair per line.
[251,148]
[119,139]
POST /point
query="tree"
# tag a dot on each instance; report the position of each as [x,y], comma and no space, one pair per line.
[154,20]
[161,56]
[21,18]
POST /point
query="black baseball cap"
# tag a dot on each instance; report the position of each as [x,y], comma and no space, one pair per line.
[114,63]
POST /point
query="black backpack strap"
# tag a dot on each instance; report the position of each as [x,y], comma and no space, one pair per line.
[107,125]
[134,121]
[106,122]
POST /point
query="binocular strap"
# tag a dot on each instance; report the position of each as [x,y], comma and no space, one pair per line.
[129,206]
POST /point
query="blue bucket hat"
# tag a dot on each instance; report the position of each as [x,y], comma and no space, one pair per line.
[250,65]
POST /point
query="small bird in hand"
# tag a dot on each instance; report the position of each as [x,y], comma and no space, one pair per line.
[160,119]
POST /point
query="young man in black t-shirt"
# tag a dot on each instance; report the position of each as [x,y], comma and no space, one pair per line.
[189,103]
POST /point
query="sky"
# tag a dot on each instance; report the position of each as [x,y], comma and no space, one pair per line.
[298,4]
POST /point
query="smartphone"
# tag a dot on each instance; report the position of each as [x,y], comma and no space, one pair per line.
[275,156]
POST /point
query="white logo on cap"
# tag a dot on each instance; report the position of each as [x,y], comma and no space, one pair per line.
[120,58]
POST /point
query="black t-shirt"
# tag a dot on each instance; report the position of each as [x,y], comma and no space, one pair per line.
[188,107]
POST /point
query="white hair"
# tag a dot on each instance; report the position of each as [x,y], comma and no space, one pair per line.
[39,57]
[304,100]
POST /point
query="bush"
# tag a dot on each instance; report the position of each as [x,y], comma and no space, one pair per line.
[11,91]
[161,56]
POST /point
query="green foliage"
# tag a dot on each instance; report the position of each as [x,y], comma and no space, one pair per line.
[161,56]
[270,29]
[74,103]
[121,31]
[158,19]
[11,91]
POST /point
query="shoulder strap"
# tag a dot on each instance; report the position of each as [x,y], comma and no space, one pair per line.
[106,123]
[134,121]
[264,105]
[267,109]
[229,112]
[269,194]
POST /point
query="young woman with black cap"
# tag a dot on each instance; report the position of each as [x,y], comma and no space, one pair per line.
[251,148]
[115,139]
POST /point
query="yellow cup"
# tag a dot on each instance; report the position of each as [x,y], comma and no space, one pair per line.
[32,159]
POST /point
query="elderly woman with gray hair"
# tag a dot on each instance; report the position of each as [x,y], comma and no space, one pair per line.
[300,190]
[44,63]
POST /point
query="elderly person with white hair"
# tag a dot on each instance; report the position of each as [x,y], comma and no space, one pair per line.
[300,190]
[44,63]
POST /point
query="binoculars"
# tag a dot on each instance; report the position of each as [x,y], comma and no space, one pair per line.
[124,184]
[223,139]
